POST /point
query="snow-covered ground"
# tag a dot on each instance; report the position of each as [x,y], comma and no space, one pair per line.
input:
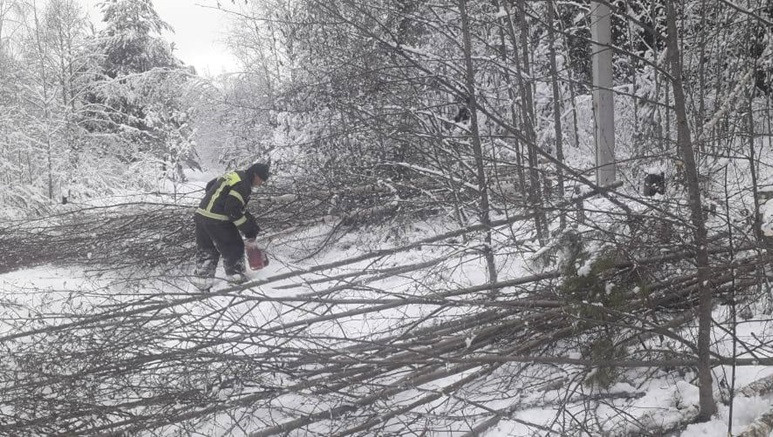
[47,296]
[50,290]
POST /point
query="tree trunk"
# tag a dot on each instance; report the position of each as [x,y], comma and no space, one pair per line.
[46,104]
[485,218]
[527,111]
[684,141]
[556,108]
[603,96]
[511,94]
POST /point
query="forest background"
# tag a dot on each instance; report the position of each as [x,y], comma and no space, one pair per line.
[463,130]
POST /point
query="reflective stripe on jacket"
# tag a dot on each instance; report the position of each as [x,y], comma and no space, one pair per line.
[226,198]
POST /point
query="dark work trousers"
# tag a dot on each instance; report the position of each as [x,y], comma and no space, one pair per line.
[215,238]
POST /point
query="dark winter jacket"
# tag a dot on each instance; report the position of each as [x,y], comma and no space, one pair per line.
[226,200]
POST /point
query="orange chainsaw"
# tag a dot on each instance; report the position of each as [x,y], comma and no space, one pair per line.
[256,257]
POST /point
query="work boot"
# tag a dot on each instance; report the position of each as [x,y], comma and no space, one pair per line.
[202,283]
[236,278]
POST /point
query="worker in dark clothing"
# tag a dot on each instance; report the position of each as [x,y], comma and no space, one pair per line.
[219,218]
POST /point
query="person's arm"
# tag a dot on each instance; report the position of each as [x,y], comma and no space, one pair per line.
[249,228]
[235,207]
[210,184]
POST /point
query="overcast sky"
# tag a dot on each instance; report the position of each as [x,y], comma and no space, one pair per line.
[198,32]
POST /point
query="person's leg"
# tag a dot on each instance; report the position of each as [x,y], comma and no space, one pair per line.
[228,241]
[207,256]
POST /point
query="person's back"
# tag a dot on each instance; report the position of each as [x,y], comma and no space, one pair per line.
[221,215]
[225,197]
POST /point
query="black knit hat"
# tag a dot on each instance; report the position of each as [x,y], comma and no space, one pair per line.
[260,170]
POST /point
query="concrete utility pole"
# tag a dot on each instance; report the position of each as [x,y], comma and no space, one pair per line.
[603,103]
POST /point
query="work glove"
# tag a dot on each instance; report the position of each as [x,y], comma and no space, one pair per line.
[252,233]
